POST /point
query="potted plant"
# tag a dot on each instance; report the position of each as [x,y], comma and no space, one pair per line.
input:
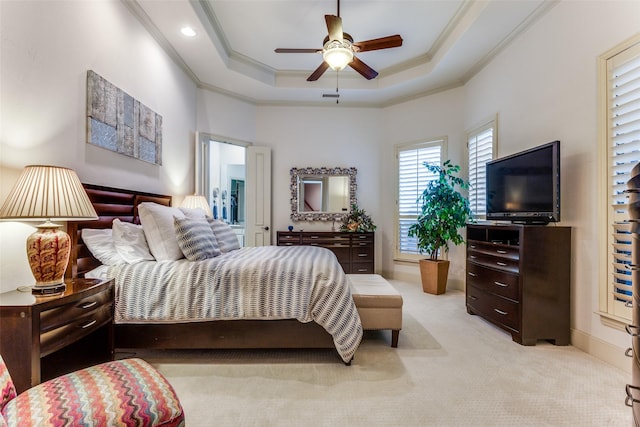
[444,211]
[358,221]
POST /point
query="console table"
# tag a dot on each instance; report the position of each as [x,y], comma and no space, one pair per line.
[355,251]
[518,278]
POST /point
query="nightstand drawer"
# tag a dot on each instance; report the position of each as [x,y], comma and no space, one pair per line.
[72,331]
[59,316]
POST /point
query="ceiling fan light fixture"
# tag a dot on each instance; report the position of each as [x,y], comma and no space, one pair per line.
[337,54]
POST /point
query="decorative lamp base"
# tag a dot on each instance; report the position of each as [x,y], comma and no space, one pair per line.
[48,290]
[48,252]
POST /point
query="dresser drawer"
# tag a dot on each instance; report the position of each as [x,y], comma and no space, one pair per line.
[496,309]
[81,326]
[493,281]
[58,316]
[288,239]
[362,254]
[505,264]
[325,239]
[362,268]
[493,249]
[360,239]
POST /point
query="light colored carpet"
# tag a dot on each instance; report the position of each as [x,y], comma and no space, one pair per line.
[450,369]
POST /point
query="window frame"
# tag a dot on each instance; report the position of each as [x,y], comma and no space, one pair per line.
[614,313]
[430,142]
[474,133]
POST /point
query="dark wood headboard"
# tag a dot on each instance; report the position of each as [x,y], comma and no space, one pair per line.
[109,203]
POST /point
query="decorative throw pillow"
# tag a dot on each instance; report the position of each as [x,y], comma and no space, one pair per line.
[157,223]
[196,238]
[101,245]
[130,242]
[227,239]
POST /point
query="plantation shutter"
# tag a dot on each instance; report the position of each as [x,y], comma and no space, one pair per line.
[624,153]
[481,150]
[413,177]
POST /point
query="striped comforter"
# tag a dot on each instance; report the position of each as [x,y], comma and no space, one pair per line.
[268,282]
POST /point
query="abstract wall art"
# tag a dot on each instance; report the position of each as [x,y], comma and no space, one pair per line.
[118,122]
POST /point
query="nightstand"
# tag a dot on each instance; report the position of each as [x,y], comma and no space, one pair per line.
[42,337]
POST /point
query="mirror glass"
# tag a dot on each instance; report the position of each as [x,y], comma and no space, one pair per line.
[322,194]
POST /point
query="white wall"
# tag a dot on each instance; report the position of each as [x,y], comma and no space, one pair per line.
[322,136]
[543,87]
[46,50]
[432,117]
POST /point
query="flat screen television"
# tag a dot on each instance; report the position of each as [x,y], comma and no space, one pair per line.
[525,187]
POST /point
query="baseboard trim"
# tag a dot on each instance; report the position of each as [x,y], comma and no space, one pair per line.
[602,350]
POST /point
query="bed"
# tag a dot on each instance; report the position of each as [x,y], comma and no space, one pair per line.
[229,330]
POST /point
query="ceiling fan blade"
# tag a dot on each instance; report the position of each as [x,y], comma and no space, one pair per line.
[334,25]
[366,71]
[318,72]
[285,50]
[377,44]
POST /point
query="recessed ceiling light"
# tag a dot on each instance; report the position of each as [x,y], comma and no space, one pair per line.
[188,31]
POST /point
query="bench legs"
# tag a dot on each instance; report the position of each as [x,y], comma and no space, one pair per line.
[395,333]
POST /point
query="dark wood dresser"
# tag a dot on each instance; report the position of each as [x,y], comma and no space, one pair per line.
[355,251]
[44,337]
[518,278]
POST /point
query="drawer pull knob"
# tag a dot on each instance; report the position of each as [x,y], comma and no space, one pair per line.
[472,274]
[362,269]
[501,251]
[632,267]
[629,352]
[501,264]
[472,246]
[362,237]
[500,312]
[88,305]
[363,255]
[632,330]
[628,304]
[473,256]
[315,237]
[88,324]
[471,297]
[630,400]
[504,285]
[313,244]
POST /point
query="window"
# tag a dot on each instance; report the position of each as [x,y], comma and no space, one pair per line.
[412,180]
[481,145]
[621,101]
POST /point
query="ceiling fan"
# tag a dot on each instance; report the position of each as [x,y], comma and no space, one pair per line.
[339,48]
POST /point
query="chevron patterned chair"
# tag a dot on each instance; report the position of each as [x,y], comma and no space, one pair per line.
[127,392]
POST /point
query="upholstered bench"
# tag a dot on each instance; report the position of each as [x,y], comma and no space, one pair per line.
[127,392]
[379,304]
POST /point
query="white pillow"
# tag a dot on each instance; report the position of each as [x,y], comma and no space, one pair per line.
[157,223]
[101,245]
[130,242]
[196,238]
[227,239]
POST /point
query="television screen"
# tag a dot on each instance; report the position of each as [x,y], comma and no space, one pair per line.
[525,187]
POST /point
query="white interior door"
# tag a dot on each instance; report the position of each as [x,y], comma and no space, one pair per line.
[258,196]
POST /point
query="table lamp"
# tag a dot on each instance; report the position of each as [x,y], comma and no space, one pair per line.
[197,201]
[46,193]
